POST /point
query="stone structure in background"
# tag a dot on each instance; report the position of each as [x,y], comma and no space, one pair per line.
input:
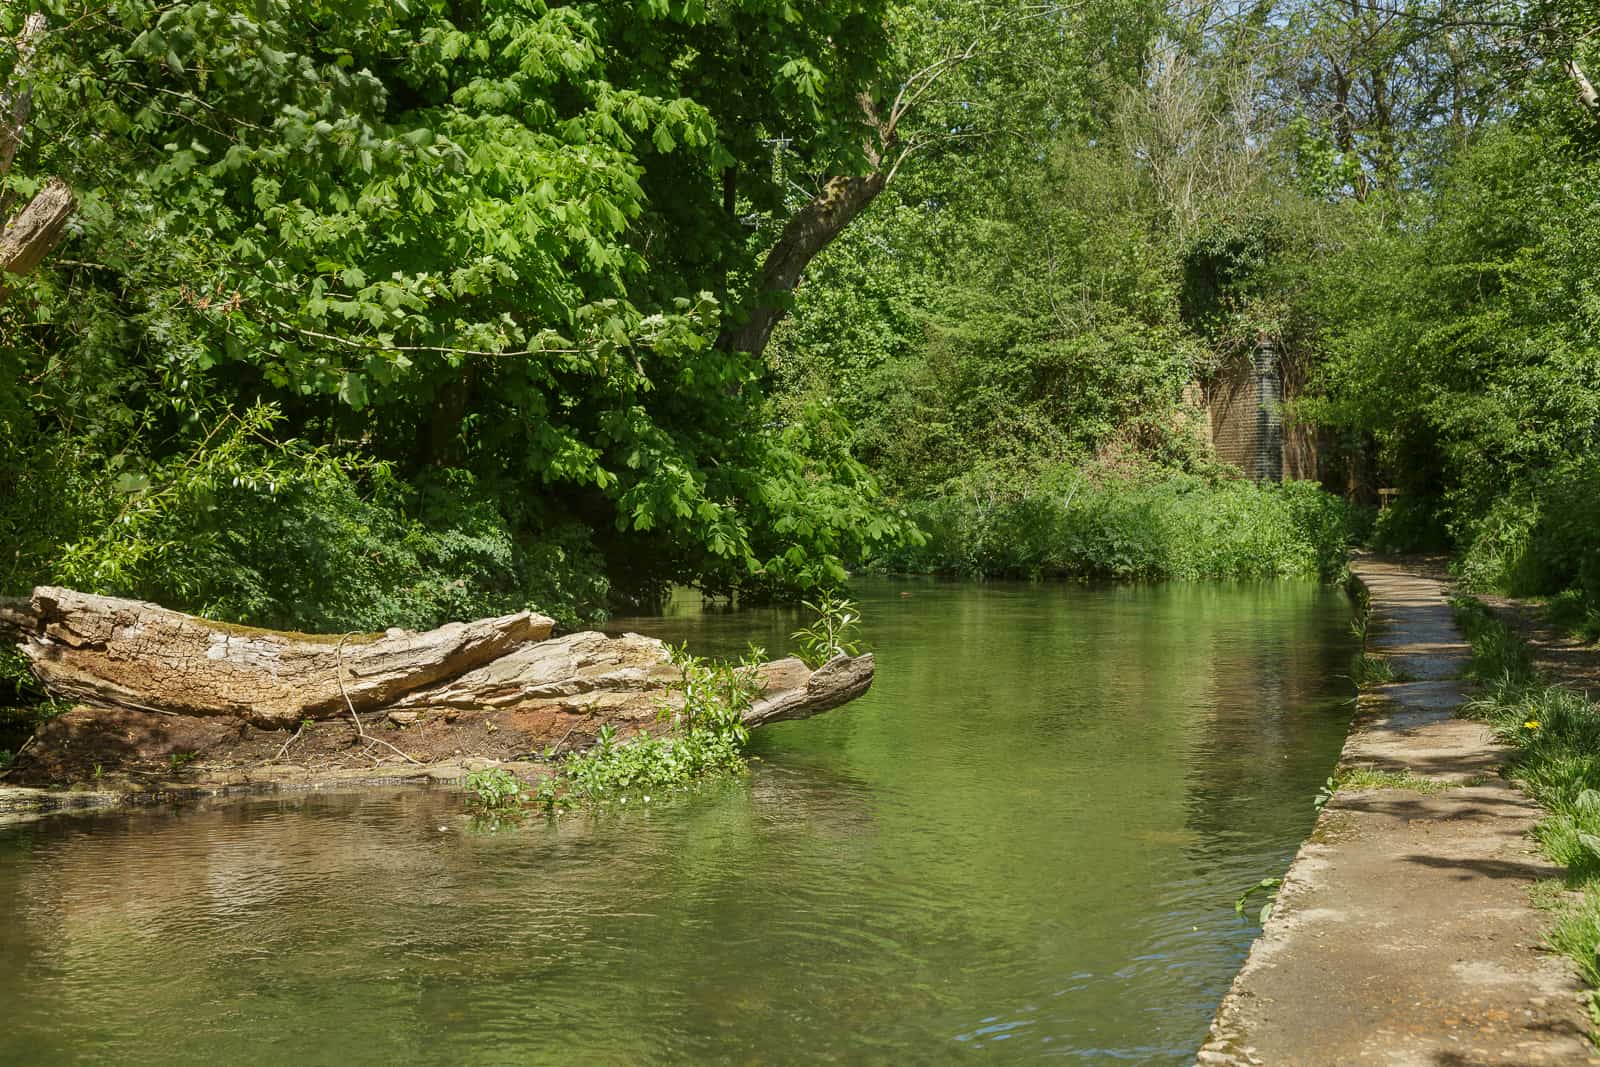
[1244,421]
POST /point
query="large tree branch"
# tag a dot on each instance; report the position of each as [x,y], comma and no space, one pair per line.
[1587,96]
[808,232]
[842,198]
[30,236]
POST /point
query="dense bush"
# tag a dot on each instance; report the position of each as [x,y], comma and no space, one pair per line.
[1160,527]
[269,532]
[1539,537]
[480,259]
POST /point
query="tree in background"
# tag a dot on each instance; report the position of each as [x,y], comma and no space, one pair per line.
[473,261]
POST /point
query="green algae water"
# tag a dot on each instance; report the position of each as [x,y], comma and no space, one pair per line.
[1023,845]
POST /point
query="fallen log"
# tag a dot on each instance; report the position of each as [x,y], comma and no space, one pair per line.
[102,650]
[107,652]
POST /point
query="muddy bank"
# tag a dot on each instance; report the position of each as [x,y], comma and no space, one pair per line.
[170,704]
[1404,932]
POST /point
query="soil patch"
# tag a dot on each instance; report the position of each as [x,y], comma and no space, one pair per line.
[118,748]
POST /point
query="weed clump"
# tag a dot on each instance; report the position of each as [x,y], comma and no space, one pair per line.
[700,734]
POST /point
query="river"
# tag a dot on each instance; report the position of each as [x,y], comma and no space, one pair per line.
[1023,845]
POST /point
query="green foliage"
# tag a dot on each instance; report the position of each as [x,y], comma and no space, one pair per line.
[495,788]
[17,682]
[1370,778]
[1268,887]
[469,266]
[1556,735]
[1459,335]
[1410,524]
[833,633]
[1576,935]
[1172,527]
[1026,329]
[702,735]
[1498,655]
[1367,669]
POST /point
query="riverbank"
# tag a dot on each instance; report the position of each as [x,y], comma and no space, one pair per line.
[928,874]
[1404,931]
[172,706]
[1155,526]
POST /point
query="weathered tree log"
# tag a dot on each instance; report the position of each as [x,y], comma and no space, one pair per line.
[126,653]
[105,651]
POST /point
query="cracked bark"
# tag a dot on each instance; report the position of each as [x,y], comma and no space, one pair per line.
[110,652]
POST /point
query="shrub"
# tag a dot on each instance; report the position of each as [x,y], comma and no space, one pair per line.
[1167,527]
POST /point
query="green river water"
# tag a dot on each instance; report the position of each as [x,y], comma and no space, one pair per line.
[1023,845]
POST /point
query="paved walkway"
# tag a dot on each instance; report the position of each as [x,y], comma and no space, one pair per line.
[1403,932]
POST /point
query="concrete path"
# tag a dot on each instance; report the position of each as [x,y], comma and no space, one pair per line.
[1403,932]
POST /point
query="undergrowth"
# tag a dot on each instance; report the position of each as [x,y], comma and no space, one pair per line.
[1176,526]
[1556,734]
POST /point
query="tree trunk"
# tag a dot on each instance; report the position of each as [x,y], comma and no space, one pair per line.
[16,101]
[110,652]
[810,231]
[126,653]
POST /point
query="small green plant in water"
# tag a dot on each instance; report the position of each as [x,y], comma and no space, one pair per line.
[1269,886]
[832,634]
[703,737]
[179,760]
[700,732]
[495,789]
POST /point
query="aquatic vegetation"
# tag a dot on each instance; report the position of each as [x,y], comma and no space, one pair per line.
[1268,886]
[493,788]
[704,737]
[700,733]
[833,632]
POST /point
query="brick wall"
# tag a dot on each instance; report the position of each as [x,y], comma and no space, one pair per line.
[1243,401]
[1233,402]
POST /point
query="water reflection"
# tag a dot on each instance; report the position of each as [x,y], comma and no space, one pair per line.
[1022,844]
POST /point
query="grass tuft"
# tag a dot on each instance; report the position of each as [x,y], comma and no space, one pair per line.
[1371,778]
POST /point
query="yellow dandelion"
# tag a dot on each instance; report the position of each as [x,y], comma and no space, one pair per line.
[1531,724]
